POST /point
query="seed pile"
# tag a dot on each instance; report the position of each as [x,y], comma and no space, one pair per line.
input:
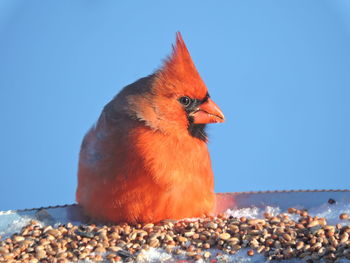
[276,237]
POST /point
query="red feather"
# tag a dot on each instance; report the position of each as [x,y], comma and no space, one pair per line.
[140,162]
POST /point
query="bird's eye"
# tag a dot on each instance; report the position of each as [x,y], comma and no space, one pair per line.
[186,101]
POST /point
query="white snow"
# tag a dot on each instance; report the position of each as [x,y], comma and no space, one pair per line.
[12,222]
[330,212]
[253,212]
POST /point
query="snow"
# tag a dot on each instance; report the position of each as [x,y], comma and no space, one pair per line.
[12,221]
[253,212]
[12,224]
[330,212]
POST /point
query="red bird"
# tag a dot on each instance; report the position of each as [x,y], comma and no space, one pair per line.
[147,159]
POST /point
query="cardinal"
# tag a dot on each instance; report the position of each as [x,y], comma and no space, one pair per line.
[146,159]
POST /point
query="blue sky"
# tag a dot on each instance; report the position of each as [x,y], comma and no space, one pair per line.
[279,70]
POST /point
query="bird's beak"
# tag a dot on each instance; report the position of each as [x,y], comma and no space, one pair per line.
[208,112]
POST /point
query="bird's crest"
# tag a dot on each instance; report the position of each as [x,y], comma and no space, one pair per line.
[180,58]
[179,73]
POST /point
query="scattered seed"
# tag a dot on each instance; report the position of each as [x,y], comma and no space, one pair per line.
[18,239]
[189,234]
[224,236]
[277,237]
[344,216]
[331,201]
[313,224]
[211,225]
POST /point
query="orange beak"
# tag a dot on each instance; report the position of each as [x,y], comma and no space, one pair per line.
[208,112]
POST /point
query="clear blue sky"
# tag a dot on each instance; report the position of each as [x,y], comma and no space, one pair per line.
[279,70]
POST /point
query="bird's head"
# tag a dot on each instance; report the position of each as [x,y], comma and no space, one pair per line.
[177,99]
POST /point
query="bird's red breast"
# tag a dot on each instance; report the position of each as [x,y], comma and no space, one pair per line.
[146,159]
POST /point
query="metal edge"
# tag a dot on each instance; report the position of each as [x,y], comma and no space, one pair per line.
[227,193]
